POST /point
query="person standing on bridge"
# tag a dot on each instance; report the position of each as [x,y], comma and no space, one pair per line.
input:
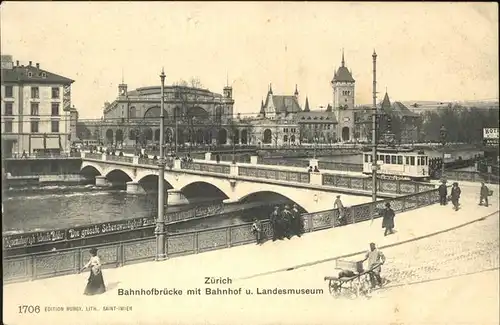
[388,219]
[297,224]
[286,222]
[95,284]
[455,196]
[275,224]
[483,195]
[340,207]
[443,193]
[257,230]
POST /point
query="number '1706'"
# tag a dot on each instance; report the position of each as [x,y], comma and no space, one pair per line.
[29,309]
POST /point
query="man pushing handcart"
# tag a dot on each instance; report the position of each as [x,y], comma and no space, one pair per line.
[353,279]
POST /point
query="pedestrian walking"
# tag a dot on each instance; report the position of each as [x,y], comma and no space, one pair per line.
[443,193]
[388,219]
[95,283]
[340,207]
[484,193]
[257,230]
[455,195]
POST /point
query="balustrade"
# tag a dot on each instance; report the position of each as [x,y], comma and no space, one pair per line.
[127,159]
[67,261]
[268,173]
[204,167]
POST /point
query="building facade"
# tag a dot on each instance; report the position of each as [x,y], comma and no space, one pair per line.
[35,109]
[195,115]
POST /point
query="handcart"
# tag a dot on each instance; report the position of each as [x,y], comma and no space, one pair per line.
[352,280]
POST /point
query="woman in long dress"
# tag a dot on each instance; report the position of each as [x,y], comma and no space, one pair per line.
[95,284]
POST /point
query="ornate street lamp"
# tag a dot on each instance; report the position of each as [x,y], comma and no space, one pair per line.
[160,220]
[442,135]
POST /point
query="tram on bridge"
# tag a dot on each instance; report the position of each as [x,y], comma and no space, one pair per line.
[398,163]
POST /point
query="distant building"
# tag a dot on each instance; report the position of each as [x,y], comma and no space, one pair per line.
[36,107]
[408,120]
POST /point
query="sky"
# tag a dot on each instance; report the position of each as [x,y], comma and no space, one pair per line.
[426,51]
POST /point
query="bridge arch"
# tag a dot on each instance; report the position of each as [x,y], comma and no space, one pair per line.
[150,183]
[271,196]
[201,189]
[118,176]
[89,172]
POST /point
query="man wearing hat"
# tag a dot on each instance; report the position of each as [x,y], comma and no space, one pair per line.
[275,224]
[340,207]
[388,219]
[483,194]
[296,224]
[443,193]
[286,219]
[455,195]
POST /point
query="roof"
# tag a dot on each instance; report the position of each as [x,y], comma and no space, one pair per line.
[316,117]
[343,74]
[286,104]
[401,110]
[22,74]
[386,103]
[306,107]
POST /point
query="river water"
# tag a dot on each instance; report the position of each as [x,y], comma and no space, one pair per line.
[55,207]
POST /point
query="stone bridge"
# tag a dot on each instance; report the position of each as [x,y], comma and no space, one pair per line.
[188,182]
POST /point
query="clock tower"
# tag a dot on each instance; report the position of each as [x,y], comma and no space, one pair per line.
[343,101]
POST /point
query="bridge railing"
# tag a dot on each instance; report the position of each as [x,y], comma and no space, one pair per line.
[269,173]
[284,162]
[206,167]
[127,159]
[69,261]
[347,167]
[465,176]
[383,185]
[93,155]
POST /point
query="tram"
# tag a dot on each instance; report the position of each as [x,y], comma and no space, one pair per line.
[398,163]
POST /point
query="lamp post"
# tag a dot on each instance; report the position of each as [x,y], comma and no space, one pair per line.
[374,130]
[442,134]
[160,220]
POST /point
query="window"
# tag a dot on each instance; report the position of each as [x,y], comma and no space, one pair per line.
[34,109]
[35,92]
[54,126]
[8,127]
[400,160]
[388,159]
[55,109]
[9,93]
[34,126]
[55,92]
[8,109]
[394,160]
[412,161]
[366,158]
[407,160]
[381,158]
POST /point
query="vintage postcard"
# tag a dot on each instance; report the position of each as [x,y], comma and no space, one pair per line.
[257,163]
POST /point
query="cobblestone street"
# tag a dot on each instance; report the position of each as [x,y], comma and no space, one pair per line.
[451,277]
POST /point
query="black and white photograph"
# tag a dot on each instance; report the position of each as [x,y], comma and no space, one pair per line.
[260,163]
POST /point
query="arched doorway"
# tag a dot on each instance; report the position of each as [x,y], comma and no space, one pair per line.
[244,137]
[285,139]
[157,135]
[109,136]
[132,134]
[208,137]
[148,134]
[132,112]
[236,137]
[345,133]
[267,136]
[180,136]
[218,114]
[222,136]
[199,137]
[292,139]
[119,136]
[168,135]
